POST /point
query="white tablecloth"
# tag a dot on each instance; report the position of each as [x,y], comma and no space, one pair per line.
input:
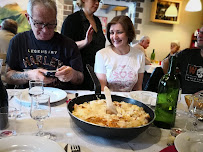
[62,125]
[150,68]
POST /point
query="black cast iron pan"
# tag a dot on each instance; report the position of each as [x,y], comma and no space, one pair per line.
[107,131]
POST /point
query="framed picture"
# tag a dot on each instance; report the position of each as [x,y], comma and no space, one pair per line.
[159,8]
[104,23]
[15,9]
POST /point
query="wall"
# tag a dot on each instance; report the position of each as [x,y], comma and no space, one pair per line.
[162,34]
[64,8]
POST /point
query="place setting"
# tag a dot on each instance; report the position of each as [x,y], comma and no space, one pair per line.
[56,95]
[146,97]
[39,109]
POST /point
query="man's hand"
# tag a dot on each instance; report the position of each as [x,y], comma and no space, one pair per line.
[66,74]
[17,77]
[38,74]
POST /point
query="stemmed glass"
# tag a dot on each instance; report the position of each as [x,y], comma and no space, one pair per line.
[196,109]
[40,106]
[40,110]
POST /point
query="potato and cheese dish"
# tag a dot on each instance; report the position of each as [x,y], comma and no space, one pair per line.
[128,115]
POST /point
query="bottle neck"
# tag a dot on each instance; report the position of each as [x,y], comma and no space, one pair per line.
[172,66]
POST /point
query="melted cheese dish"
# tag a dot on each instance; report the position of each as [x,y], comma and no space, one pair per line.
[128,115]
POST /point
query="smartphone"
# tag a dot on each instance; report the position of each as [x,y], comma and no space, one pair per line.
[50,73]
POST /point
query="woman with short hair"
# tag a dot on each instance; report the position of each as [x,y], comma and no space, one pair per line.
[119,66]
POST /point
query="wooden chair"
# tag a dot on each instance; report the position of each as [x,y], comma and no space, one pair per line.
[3,56]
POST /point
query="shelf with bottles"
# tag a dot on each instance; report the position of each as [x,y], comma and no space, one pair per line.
[193,43]
[159,8]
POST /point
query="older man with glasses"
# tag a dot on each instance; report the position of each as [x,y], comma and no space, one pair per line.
[33,53]
[190,64]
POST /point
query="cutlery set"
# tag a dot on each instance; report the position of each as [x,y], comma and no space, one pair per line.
[72,148]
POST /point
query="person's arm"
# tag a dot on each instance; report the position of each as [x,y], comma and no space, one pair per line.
[17,77]
[66,74]
[81,44]
[102,80]
[147,61]
[138,85]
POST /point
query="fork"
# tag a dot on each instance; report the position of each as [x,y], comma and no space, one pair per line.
[75,148]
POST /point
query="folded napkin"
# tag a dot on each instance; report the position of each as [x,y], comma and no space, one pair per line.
[169,149]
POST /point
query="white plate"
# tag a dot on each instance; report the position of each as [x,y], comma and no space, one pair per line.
[189,142]
[55,95]
[137,95]
[29,144]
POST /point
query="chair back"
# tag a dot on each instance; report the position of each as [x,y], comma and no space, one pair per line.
[153,82]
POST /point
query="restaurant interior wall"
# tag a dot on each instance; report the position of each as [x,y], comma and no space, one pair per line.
[110,14]
[162,34]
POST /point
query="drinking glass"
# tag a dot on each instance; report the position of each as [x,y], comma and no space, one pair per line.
[36,87]
[40,110]
[195,106]
[7,121]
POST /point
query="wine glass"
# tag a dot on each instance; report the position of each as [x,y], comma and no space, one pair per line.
[196,109]
[40,110]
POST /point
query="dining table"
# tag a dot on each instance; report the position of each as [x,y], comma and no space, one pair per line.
[150,68]
[153,139]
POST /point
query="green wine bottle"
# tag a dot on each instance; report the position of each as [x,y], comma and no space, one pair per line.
[167,97]
[152,56]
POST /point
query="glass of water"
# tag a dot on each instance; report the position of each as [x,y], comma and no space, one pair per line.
[39,111]
[36,87]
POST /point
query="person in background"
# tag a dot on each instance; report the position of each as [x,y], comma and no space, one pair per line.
[32,53]
[142,45]
[175,47]
[86,30]
[190,64]
[119,66]
[8,30]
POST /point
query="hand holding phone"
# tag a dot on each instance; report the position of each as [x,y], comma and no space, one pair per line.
[50,73]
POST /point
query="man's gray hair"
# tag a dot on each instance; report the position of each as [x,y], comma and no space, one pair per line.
[48,3]
[9,25]
[144,38]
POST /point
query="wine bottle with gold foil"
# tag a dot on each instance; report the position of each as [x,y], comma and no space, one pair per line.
[3,106]
[167,97]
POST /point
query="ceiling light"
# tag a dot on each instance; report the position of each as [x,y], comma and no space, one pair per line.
[193,6]
[171,11]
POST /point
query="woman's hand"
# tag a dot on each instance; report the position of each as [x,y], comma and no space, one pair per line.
[89,34]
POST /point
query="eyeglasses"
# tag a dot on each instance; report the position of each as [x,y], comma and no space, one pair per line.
[42,25]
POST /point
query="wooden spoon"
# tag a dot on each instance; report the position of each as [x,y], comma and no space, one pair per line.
[110,108]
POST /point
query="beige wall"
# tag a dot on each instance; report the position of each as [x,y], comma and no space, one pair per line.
[162,34]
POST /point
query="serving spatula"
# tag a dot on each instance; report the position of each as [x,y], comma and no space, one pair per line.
[110,108]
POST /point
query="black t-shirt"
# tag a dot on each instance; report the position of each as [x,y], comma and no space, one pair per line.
[190,63]
[26,52]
